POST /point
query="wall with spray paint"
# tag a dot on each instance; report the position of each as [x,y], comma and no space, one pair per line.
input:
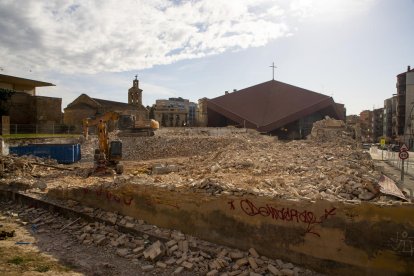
[336,238]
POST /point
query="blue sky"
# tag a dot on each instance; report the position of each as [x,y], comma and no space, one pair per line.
[349,49]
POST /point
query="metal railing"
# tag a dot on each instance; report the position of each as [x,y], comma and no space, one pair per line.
[392,158]
[43,129]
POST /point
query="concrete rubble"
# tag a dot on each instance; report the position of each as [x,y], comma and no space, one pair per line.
[326,166]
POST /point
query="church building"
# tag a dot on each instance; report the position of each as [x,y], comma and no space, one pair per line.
[272,107]
[87,107]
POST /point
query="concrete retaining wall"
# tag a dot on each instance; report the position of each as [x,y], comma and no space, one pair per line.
[332,237]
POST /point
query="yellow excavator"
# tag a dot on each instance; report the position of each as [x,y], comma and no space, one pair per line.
[109,153]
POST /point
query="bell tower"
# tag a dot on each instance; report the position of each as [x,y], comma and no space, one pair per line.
[135,93]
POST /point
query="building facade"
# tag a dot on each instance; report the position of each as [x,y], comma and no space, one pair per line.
[405,84]
[175,112]
[365,118]
[377,124]
[390,118]
[27,112]
[201,113]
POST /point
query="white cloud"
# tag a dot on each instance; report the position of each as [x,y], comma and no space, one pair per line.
[95,36]
[86,36]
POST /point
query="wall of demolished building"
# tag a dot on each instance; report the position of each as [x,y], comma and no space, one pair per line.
[334,237]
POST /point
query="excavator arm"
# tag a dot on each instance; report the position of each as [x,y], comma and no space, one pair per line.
[105,118]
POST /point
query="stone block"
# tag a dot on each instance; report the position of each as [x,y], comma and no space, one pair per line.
[183,246]
[273,270]
[161,265]
[242,262]
[187,265]
[212,273]
[253,252]
[138,249]
[170,261]
[178,270]
[236,255]
[147,268]
[170,243]
[122,252]
[287,272]
[252,263]
[173,248]
[155,251]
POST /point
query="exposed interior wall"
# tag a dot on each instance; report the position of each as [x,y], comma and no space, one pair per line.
[333,237]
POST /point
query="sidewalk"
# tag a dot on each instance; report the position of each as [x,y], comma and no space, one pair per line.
[393,172]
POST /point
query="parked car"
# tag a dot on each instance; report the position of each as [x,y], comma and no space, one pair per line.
[366,146]
[395,148]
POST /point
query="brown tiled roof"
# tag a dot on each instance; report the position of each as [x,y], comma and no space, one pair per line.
[270,105]
[17,80]
[106,103]
[112,104]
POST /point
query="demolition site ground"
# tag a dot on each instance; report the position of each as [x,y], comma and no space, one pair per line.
[64,236]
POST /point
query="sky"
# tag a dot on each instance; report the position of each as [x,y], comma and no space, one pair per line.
[351,50]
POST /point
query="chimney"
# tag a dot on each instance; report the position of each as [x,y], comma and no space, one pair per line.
[408,68]
[226,92]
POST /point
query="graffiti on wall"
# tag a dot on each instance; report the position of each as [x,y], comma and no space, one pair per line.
[109,196]
[291,215]
[403,244]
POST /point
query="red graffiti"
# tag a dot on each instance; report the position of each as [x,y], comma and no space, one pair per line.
[128,201]
[286,214]
[231,203]
[109,196]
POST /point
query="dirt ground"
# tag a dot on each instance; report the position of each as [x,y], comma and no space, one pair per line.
[21,254]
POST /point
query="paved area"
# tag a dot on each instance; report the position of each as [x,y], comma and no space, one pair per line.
[391,167]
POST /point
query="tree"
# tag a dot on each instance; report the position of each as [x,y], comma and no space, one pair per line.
[5,95]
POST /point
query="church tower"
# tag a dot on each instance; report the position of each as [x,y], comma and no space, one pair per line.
[135,94]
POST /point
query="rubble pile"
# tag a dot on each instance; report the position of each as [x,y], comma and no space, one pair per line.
[173,254]
[326,166]
[297,169]
[146,148]
[333,132]
[25,166]
[239,163]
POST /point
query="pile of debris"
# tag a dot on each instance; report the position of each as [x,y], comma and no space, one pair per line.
[238,164]
[146,148]
[27,172]
[24,166]
[333,131]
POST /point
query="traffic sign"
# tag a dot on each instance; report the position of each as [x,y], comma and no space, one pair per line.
[382,142]
[403,155]
[404,148]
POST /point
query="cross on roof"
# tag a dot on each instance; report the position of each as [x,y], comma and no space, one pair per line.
[136,77]
[273,70]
